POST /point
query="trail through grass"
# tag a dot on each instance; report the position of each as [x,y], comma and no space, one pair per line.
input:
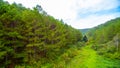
[88,58]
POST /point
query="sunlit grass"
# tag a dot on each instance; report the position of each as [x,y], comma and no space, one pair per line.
[88,58]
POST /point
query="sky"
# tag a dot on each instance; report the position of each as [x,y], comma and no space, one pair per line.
[79,14]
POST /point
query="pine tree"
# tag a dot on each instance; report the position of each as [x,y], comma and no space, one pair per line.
[85,39]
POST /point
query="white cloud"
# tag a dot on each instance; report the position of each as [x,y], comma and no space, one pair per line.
[92,21]
[59,8]
[90,13]
[96,5]
[77,13]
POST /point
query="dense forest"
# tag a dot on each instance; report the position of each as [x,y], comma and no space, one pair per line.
[106,38]
[31,38]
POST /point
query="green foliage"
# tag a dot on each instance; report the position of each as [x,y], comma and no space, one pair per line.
[105,32]
[85,39]
[106,39]
[31,37]
[84,31]
[88,58]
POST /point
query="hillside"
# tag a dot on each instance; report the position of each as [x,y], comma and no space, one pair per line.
[32,37]
[106,38]
[84,31]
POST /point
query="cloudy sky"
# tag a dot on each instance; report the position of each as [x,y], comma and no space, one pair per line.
[77,13]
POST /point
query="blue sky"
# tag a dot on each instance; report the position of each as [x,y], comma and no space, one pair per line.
[77,13]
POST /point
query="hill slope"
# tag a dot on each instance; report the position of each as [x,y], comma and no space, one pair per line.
[106,38]
[84,31]
[31,36]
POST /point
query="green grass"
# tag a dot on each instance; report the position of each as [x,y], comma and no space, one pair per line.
[88,58]
[82,58]
[85,57]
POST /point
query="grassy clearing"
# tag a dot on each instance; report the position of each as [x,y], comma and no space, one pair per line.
[88,58]
[82,58]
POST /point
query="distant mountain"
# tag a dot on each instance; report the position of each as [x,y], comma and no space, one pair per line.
[84,31]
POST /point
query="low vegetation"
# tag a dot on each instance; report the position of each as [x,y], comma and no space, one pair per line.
[106,39]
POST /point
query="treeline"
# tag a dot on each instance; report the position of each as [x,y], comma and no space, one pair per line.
[106,38]
[30,36]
